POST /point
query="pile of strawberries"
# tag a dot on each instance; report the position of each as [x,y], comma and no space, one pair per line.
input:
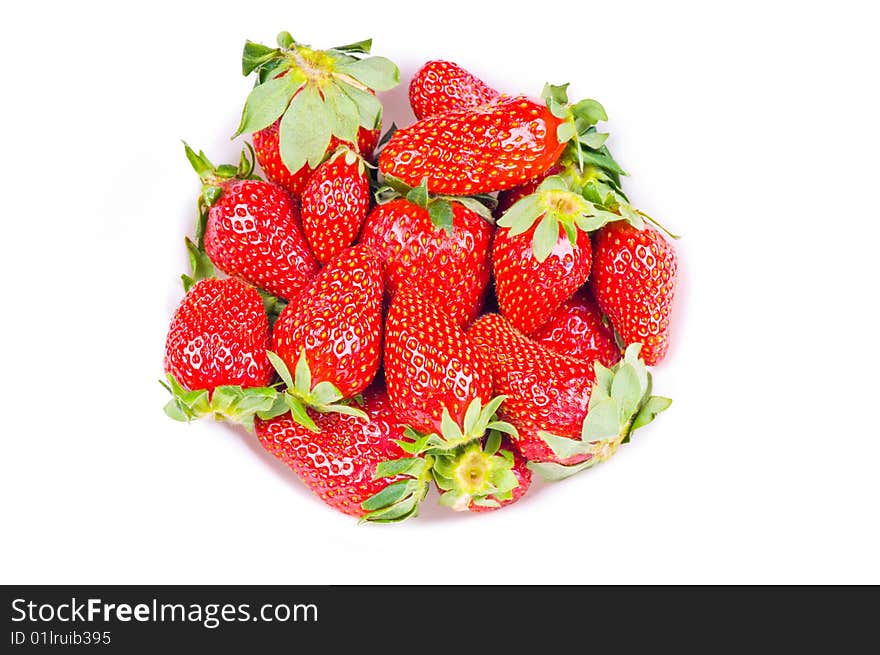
[477,303]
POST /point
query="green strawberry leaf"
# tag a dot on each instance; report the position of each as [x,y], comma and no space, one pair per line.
[565,132]
[266,103]
[201,265]
[255,55]
[441,215]
[593,139]
[475,206]
[299,414]
[345,113]
[369,107]
[360,47]
[417,195]
[590,111]
[649,411]
[602,422]
[302,375]
[627,391]
[545,237]
[305,130]
[562,447]
[522,215]
[285,40]
[325,393]
[281,368]
[377,73]
[552,472]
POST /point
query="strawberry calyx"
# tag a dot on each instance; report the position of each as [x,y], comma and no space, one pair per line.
[620,403]
[478,474]
[317,94]
[224,403]
[579,119]
[439,206]
[299,394]
[478,418]
[399,500]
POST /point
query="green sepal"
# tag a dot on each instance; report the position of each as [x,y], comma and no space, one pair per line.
[255,55]
[266,102]
[227,402]
[552,472]
[478,419]
[476,473]
[201,265]
[439,207]
[359,47]
[399,500]
[377,73]
[305,130]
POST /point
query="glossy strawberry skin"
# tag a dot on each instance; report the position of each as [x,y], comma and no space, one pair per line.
[496,146]
[253,232]
[451,271]
[334,206]
[576,329]
[529,291]
[218,336]
[523,477]
[545,390]
[634,276]
[338,322]
[442,86]
[338,462]
[430,364]
[269,156]
[509,197]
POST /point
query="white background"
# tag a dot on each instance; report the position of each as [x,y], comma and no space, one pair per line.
[752,129]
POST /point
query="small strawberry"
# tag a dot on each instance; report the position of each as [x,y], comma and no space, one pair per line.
[442,86]
[492,147]
[335,203]
[353,463]
[568,415]
[215,353]
[332,336]
[577,330]
[634,275]
[307,102]
[437,381]
[250,228]
[483,475]
[437,245]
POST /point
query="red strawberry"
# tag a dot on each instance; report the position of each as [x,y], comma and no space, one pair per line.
[545,391]
[634,275]
[577,330]
[332,336]
[342,463]
[215,353]
[568,415]
[250,228]
[451,270]
[482,476]
[269,156]
[307,102]
[431,368]
[335,203]
[442,86]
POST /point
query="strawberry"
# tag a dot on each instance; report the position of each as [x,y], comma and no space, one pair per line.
[577,330]
[335,203]
[447,260]
[346,461]
[269,156]
[250,228]
[332,336]
[483,475]
[436,378]
[492,147]
[442,86]
[634,275]
[215,353]
[307,102]
[568,414]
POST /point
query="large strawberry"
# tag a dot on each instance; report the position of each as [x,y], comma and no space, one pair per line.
[309,101]
[495,146]
[353,463]
[483,475]
[215,353]
[551,399]
[331,337]
[634,276]
[437,380]
[251,229]
[438,245]
[335,203]
[442,86]
[577,330]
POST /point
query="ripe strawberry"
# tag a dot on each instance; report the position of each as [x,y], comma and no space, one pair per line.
[335,203]
[442,86]
[568,415]
[577,330]
[634,275]
[449,266]
[433,372]
[484,475]
[250,229]
[307,102]
[332,336]
[343,462]
[269,156]
[215,353]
